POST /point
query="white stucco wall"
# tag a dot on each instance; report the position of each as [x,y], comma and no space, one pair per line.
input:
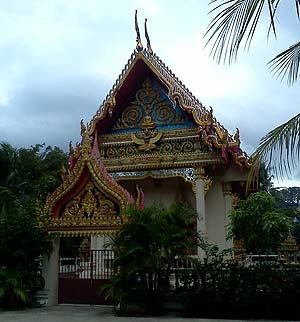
[161,191]
[218,206]
[215,216]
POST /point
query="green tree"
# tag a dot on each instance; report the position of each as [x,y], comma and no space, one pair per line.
[9,175]
[235,23]
[265,182]
[26,177]
[287,197]
[259,224]
[146,248]
[40,170]
[21,244]
[288,200]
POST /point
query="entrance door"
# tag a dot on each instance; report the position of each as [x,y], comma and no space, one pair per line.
[81,277]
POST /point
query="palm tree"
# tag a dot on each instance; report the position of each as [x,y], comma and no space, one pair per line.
[146,248]
[8,159]
[235,23]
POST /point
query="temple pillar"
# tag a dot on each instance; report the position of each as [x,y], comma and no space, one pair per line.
[227,193]
[158,190]
[100,242]
[200,205]
[50,272]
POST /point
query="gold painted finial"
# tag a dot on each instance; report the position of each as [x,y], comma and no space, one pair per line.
[83,128]
[237,136]
[148,39]
[71,149]
[139,45]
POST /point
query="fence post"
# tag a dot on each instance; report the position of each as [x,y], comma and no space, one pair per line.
[91,264]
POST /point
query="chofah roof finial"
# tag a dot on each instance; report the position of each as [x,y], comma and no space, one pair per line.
[83,128]
[147,38]
[139,45]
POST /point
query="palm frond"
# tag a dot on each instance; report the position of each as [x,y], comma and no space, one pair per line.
[234,21]
[280,148]
[297,4]
[286,64]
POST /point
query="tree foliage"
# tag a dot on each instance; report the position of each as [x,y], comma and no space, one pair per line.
[146,249]
[259,224]
[287,197]
[288,200]
[26,177]
[280,148]
[223,289]
[9,173]
[236,22]
[265,182]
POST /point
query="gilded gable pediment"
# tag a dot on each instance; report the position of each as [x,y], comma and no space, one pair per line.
[90,211]
[88,201]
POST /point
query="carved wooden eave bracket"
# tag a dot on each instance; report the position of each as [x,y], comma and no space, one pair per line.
[210,130]
[89,201]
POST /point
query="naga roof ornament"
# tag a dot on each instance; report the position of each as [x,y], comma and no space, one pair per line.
[147,38]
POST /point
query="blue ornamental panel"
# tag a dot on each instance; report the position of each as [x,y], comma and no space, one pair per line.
[152,102]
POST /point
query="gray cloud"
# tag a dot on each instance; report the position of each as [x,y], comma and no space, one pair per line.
[49,109]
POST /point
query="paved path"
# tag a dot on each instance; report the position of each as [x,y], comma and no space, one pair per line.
[77,313]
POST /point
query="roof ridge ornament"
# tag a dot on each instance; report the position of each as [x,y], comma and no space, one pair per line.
[147,38]
[83,128]
[139,45]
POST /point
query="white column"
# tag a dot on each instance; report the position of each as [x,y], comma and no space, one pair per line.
[100,242]
[200,206]
[50,272]
[227,193]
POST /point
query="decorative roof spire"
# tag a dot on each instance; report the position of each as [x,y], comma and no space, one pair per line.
[139,45]
[148,39]
[83,128]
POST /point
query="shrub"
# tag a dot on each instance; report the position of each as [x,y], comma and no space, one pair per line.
[228,289]
[146,248]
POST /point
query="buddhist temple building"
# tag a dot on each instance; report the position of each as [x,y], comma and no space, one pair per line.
[151,141]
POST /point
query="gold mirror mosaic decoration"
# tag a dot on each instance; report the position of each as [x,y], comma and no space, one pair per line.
[88,211]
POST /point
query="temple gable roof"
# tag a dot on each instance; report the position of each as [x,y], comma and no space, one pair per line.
[144,63]
[88,201]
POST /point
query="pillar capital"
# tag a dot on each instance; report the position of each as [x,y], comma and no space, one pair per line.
[199,172]
[207,180]
[227,187]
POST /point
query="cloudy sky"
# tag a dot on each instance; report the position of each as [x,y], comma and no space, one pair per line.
[59,58]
